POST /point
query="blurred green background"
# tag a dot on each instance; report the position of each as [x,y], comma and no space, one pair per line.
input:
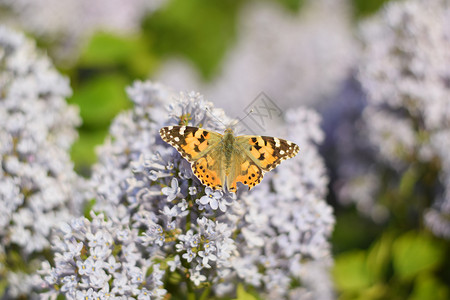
[397,259]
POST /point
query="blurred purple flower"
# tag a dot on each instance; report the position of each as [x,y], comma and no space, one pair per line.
[38,186]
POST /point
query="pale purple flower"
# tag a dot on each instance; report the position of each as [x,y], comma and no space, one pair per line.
[136,275]
[69,284]
[206,256]
[104,271]
[192,190]
[145,295]
[175,263]
[212,198]
[99,278]
[85,267]
[197,278]
[112,265]
[189,255]
[404,72]
[39,189]
[172,191]
[121,285]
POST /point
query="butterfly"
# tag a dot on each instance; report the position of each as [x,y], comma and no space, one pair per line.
[220,161]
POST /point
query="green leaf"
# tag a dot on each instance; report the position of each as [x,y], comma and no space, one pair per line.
[293,5]
[100,100]
[408,181]
[414,253]
[175,278]
[374,292]
[106,49]
[83,150]
[428,287]
[142,63]
[15,261]
[3,286]
[88,207]
[366,7]
[379,257]
[350,271]
[353,231]
[128,54]
[199,30]
[242,294]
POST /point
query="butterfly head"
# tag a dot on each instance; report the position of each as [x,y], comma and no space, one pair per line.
[234,128]
[229,130]
[233,125]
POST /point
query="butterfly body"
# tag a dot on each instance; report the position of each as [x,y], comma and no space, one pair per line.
[228,146]
[220,161]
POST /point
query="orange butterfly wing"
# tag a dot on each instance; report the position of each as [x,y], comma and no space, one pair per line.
[199,147]
[250,157]
[260,154]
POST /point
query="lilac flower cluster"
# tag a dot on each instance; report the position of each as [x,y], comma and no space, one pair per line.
[131,137]
[102,260]
[405,73]
[286,221]
[158,189]
[273,238]
[38,186]
[406,82]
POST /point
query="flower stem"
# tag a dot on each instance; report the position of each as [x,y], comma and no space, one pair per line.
[205,293]
[191,296]
[191,292]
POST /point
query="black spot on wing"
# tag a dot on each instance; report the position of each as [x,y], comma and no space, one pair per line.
[282,150]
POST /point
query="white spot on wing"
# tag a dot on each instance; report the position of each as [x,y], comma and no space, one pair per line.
[177,139]
[277,142]
[170,127]
[182,129]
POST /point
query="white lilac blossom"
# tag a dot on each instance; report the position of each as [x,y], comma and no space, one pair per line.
[72,22]
[405,73]
[204,241]
[294,57]
[286,221]
[102,259]
[38,186]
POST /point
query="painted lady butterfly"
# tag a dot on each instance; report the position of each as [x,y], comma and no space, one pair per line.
[218,159]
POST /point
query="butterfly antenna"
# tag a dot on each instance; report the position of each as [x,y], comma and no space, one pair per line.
[217,119]
[242,119]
